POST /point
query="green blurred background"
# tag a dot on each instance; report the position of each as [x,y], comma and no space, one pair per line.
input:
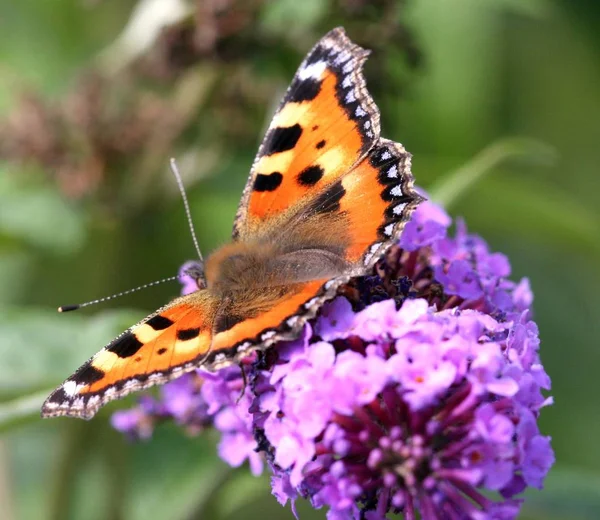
[498,100]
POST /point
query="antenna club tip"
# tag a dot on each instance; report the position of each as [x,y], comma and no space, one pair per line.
[67,308]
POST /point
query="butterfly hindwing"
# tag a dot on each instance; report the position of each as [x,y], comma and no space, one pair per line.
[161,347]
[283,321]
[377,199]
[325,124]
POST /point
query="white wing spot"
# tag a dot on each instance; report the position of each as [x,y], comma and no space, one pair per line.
[71,388]
[396,191]
[367,124]
[342,57]
[347,69]
[389,229]
[392,173]
[372,250]
[350,97]
[399,208]
[360,112]
[347,83]
[386,155]
[312,71]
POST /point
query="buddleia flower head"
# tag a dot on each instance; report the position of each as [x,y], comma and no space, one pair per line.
[416,391]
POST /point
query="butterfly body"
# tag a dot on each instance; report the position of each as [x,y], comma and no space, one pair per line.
[325,198]
[309,250]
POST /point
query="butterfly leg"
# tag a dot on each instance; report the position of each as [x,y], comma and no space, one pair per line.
[244,382]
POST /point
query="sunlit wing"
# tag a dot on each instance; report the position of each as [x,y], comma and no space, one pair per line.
[325,124]
[283,321]
[161,347]
[377,198]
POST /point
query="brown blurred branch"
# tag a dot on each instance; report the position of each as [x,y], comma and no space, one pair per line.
[111,135]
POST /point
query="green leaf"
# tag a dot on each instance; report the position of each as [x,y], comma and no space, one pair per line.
[234,495]
[15,270]
[36,215]
[173,476]
[533,8]
[291,16]
[453,186]
[16,411]
[568,493]
[41,348]
[461,45]
[537,211]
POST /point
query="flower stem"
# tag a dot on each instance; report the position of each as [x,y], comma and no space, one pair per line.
[454,185]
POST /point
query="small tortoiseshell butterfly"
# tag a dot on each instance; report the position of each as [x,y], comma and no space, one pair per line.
[325,199]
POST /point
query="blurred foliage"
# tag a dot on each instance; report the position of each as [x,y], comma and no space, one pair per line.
[498,101]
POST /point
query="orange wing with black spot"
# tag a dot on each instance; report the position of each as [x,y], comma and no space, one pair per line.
[375,199]
[326,123]
[378,199]
[174,340]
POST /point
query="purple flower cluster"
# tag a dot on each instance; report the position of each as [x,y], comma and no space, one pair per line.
[417,392]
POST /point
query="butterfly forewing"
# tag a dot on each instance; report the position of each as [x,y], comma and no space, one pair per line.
[325,124]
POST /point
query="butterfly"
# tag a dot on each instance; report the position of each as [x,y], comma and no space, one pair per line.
[326,197]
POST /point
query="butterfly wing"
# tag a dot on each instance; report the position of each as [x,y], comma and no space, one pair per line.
[325,124]
[374,200]
[166,344]
[322,157]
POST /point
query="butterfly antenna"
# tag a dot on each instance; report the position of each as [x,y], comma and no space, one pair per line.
[67,308]
[177,175]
